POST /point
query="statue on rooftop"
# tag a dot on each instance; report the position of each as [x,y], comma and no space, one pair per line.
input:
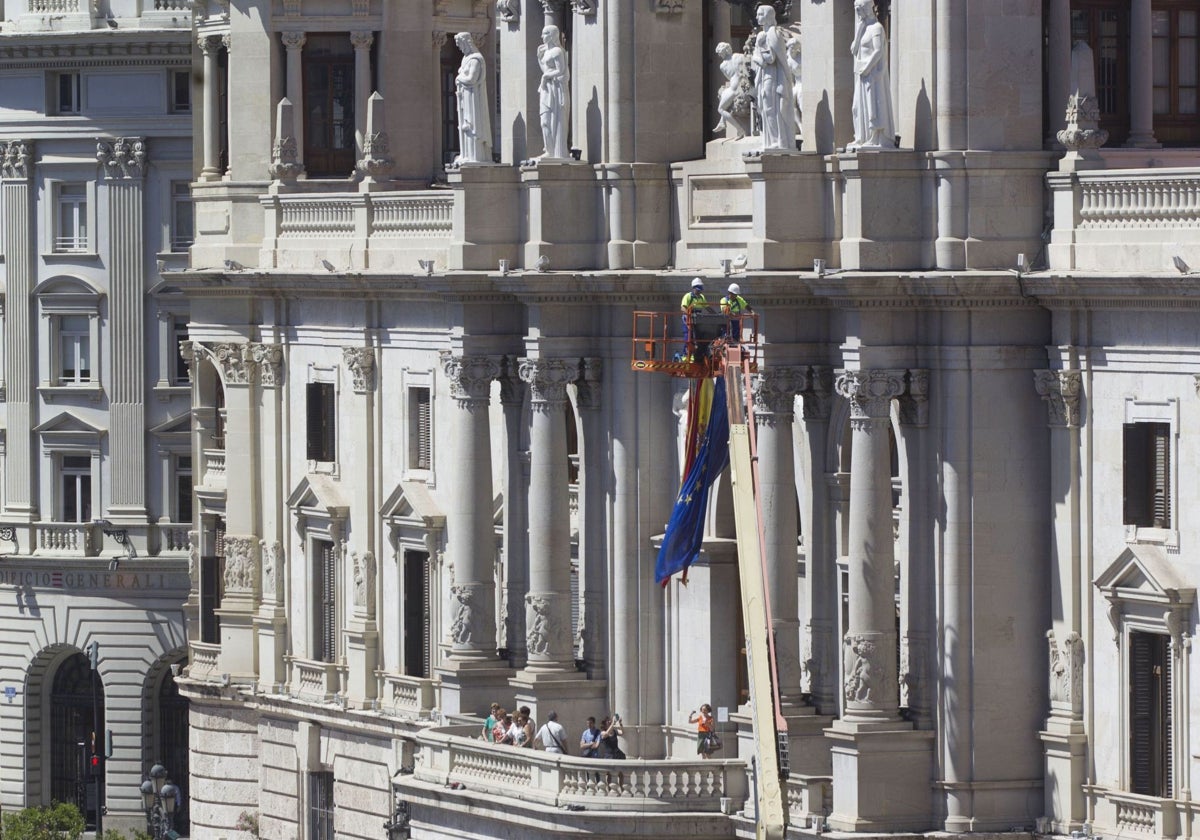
[773,85]
[874,127]
[474,107]
[554,92]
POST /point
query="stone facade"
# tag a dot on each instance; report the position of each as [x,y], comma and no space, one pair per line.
[428,477]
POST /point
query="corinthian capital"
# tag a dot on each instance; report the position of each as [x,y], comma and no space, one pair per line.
[547,380]
[294,40]
[470,377]
[1061,389]
[870,392]
[16,159]
[775,391]
[360,361]
[268,359]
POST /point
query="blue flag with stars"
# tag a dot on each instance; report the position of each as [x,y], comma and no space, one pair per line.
[685,530]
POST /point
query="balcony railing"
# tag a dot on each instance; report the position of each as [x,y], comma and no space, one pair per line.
[214,468]
[72,539]
[318,682]
[1139,199]
[400,694]
[562,781]
[174,538]
[204,658]
[58,7]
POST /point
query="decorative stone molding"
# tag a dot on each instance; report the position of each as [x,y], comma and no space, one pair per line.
[187,350]
[775,391]
[294,40]
[360,361]
[439,38]
[362,40]
[1196,380]
[818,393]
[1066,671]
[863,669]
[230,360]
[509,11]
[551,7]
[272,555]
[547,380]
[587,8]
[914,402]
[1061,389]
[870,392]
[470,377]
[124,157]
[364,581]
[810,666]
[241,563]
[16,159]
[669,7]
[268,359]
[291,8]
[591,370]
[193,558]
[468,611]
[226,41]
[541,625]
[360,8]
[285,151]
[1083,130]
[209,44]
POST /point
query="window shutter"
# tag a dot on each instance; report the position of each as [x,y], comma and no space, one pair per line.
[328,423]
[1168,774]
[314,421]
[1141,703]
[1162,475]
[1134,471]
[575,610]
[427,615]
[423,431]
[326,602]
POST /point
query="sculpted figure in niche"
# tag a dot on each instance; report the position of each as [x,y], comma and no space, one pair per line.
[554,91]
[474,107]
[733,67]
[773,85]
[874,127]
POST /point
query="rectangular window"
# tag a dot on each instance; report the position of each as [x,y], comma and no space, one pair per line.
[329,141]
[324,602]
[179,334]
[182,219]
[419,437]
[1147,474]
[67,100]
[212,587]
[1150,714]
[183,488]
[71,219]
[74,350]
[76,489]
[181,92]
[1175,64]
[416,614]
[1104,26]
[322,421]
[320,806]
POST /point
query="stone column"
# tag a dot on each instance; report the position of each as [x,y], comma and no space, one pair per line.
[548,609]
[471,536]
[270,621]
[1141,76]
[593,503]
[869,648]
[20,479]
[294,42]
[775,393]
[819,662]
[124,161]
[516,517]
[951,91]
[1058,62]
[362,629]
[361,42]
[916,565]
[211,170]
[1065,735]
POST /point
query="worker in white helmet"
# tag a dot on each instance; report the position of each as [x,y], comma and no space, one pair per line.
[693,302]
[733,305]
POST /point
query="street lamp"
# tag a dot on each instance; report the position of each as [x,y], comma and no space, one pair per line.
[159,799]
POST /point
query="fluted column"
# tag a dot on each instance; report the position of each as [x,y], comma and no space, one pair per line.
[775,393]
[211,170]
[819,664]
[16,170]
[593,504]
[294,43]
[870,645]
[548,604]
[1141,75]
[471,541]
[361,41]
[516,517]
[124,161]
[916,566]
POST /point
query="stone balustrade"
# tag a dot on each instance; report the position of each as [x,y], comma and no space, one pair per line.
[318,682]
[70,539]
[173,539]
[1133,815]
[1127,199]
[448,756]
[357,231]
[214,469]
[57,7]
[203,664]
[402,695]
[172,5]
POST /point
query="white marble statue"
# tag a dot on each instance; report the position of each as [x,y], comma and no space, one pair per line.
[874,127]
[793,62]
[733,67]
[773,85]
[474,107]
[509,11]
[554,92]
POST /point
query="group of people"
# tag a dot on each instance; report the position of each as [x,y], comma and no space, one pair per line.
[733,307]
[519,730]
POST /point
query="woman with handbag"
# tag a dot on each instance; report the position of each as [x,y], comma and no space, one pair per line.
[707,740]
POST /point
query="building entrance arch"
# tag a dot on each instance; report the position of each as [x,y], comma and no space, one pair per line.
[76,706]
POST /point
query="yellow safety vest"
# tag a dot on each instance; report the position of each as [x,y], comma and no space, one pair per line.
[735,305]
[693,300]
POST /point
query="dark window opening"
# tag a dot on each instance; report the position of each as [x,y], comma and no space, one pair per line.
[329,142]
[1150,714]
[1104,25]
[212,588]
[322,417]
[77,737]
[419,430]
[1147,473]
[416,614]
[320,806]
[324,602]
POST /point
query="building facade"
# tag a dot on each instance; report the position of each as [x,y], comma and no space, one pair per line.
[95,116]
[429,478]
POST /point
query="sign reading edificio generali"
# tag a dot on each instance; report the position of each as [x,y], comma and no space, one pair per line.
[91,580]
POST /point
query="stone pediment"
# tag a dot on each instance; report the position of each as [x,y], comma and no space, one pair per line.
[411,502]
[173,426]
[65,424]
[319,495]
[1145,574]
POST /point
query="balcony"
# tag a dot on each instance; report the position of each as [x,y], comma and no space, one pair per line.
[317,682]
[357,231]
[1133,815]
[214,469]
[173,538]
[204,658]
[57,15]
[405,696]
[65,539]
[1126,220]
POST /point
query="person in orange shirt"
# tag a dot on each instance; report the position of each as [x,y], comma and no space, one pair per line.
[705,730]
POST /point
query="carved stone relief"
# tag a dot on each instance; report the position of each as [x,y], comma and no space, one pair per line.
[870,392]
[124,157]
[241,563]
[470,377]
[271,557]
[268,359]
[775,391]
[1061,389]
[464,625]
[590,372]
[1066,670]
[16,159]
[541,624]
[914,403]
[547,380]
[360,361]
[818,393]
[863,670]
[509,11]
[364,580]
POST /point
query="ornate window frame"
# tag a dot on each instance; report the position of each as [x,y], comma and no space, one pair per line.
[1158,411]
[320,515]
[62,296]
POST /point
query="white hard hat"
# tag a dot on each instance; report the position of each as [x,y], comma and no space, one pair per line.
[735,289]
[696,281]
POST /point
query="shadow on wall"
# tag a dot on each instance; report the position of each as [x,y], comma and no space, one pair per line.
[923,122]
[519,139]
[594,123]
[823,126]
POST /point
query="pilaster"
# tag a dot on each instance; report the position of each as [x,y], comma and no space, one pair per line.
[20,480]
[124,161]
[516,518]
[917,554]
[560,198]
[593,539]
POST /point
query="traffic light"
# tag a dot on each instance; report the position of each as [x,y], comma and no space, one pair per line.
[108,749]
[93,651]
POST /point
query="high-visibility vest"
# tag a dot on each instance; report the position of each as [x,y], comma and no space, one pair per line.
[693,300]
[735,305]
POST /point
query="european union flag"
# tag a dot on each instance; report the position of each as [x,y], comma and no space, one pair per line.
[709,427]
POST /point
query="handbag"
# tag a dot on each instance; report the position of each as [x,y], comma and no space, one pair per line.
[712,742]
